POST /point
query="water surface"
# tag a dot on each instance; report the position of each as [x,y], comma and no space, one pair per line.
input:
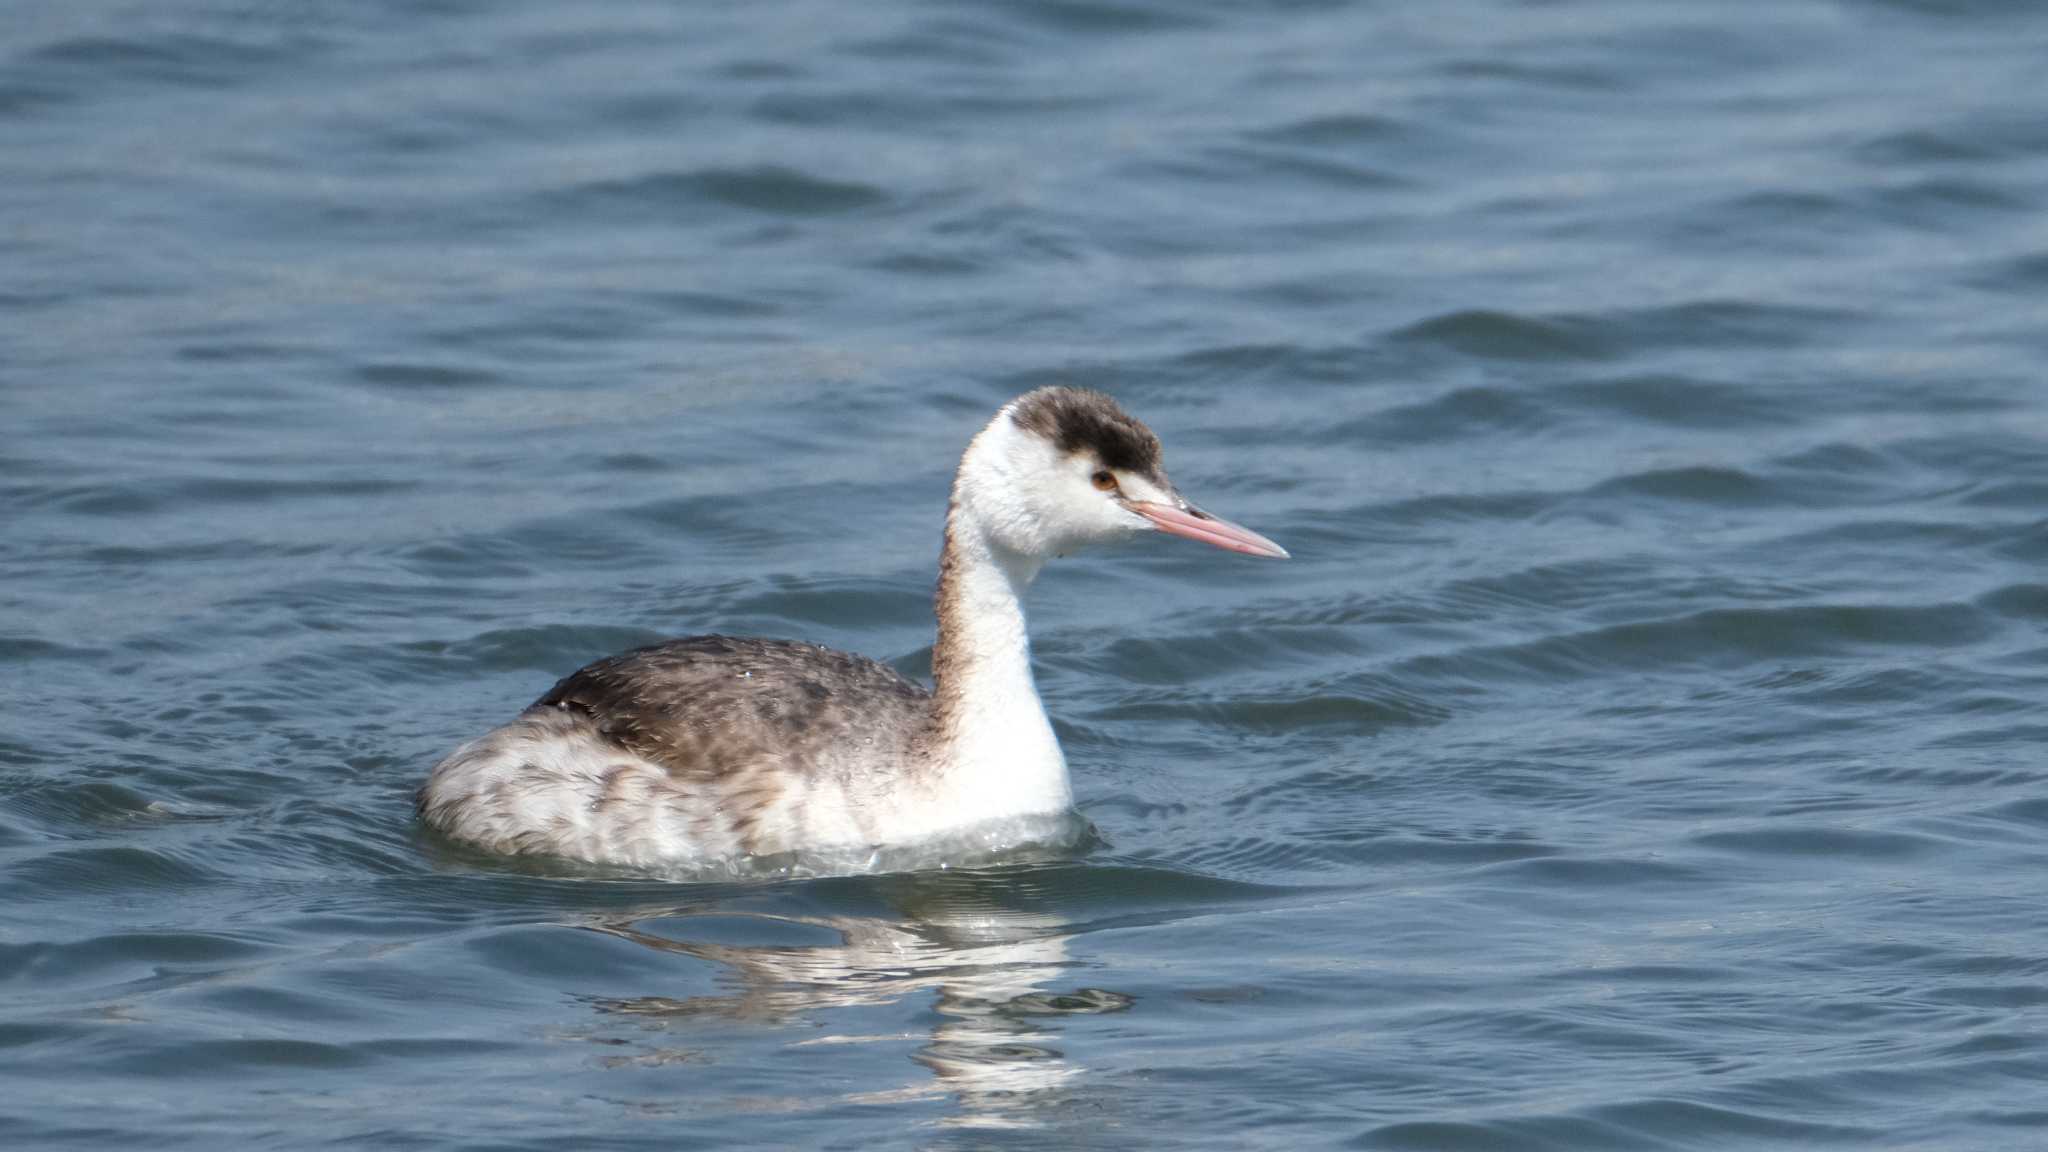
[1643,750]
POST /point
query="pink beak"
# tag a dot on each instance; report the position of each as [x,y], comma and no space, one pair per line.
[1195,524]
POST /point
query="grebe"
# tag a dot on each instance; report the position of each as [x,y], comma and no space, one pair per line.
[713,749]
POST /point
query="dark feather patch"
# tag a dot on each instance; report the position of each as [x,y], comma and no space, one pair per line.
[709,706]
[1077,420]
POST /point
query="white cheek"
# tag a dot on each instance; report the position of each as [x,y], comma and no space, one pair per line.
[1113,519]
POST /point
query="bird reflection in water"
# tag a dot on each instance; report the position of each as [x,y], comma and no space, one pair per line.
[994,972]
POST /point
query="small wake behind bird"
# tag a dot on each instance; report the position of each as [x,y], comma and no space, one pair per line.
[719,755]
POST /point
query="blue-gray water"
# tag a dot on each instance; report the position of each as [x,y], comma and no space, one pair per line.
[1645,748]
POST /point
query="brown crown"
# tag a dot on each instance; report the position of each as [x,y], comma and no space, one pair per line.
[1077,420]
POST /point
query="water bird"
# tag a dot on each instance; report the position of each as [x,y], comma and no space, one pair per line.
[719,748]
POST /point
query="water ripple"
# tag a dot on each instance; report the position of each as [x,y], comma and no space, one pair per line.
[771,190]
[1640,751]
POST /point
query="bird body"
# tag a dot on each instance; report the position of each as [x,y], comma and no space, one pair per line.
[713,749]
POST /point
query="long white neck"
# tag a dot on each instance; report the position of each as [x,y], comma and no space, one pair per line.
[995,750]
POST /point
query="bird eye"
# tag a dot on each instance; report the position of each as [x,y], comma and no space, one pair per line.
[1104,481]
